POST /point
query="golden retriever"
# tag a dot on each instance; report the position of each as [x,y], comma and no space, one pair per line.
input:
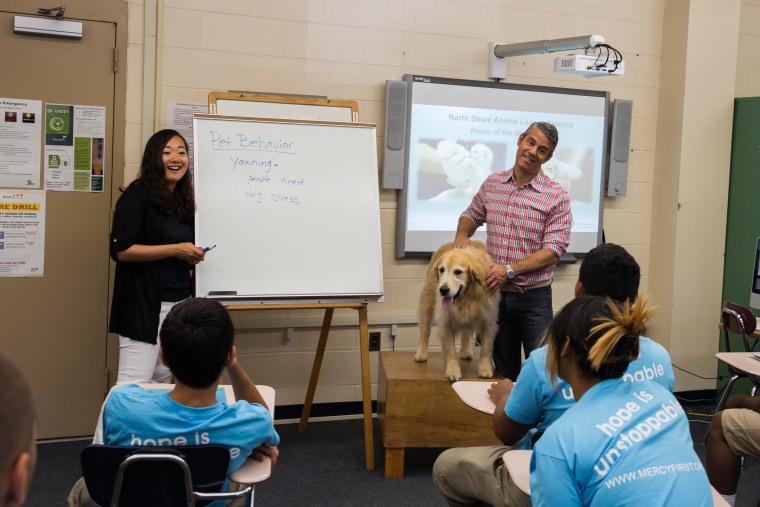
[454,296]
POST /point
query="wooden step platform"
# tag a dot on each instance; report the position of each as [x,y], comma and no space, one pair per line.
[417,407]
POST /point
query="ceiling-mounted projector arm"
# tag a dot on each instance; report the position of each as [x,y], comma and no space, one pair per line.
[586,64]
[538,47]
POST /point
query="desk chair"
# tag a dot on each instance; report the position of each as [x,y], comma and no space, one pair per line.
[737,319]
[165,476]
[518,466]
[169,476]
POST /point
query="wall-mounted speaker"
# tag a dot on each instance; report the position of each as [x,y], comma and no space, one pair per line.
[620,148]
[394,151]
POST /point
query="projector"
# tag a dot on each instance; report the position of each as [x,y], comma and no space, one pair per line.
[588,66]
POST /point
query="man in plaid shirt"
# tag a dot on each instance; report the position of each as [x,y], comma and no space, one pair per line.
[529,219]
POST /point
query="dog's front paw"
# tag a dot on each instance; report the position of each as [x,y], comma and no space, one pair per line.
[485,370]
[453,373]
[421,355]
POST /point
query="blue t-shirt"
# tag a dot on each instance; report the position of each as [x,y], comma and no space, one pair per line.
[622,444]
[535,400]
[133,416]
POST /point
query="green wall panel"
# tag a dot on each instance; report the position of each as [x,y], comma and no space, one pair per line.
[743,221]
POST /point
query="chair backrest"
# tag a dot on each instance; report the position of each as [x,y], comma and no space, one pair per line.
[150,477]
[738,319]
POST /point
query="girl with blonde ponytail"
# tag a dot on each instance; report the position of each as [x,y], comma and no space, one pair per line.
[622,443]
[603,335]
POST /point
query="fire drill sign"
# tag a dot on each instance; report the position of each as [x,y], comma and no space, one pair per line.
[22,233]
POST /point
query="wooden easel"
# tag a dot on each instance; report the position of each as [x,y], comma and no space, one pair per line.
[308,108]
[282,106]
[369,446]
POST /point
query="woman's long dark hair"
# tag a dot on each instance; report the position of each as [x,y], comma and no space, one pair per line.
[152,178]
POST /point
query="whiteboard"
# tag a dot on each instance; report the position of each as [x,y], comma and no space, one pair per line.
[283,107]
[292,207]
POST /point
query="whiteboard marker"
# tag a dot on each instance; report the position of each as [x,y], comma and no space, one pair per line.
[207,248]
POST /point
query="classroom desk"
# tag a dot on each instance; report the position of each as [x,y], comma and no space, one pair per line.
[518,466]
[742,361]
[369,444]
[474,393]
[253,471]
[224,392]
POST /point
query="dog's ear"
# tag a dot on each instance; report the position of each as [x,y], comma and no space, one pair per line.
[477,275]
[432,270]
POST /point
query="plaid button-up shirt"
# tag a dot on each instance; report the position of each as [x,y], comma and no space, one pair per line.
[522,220]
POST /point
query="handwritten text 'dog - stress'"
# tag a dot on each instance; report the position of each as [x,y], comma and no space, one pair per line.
[262,197]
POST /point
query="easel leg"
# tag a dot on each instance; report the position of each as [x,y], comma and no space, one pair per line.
[316,367]
[369,445]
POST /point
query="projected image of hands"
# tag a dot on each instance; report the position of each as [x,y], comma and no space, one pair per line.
[455,169]
[572,167]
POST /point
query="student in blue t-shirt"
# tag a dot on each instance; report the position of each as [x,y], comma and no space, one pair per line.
[196,344]
[622,443]
[531,404]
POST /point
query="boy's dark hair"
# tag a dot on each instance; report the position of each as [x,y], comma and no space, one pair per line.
[196,337]
[609,270]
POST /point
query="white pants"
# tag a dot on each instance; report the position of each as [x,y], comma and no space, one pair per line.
[139,361]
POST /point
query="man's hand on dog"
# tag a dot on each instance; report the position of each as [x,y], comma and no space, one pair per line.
[461,242]
[495,278]
[499,391]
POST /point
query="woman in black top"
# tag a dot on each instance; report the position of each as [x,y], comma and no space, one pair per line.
[152,242]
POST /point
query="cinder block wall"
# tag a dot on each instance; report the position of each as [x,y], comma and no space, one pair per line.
[346,50]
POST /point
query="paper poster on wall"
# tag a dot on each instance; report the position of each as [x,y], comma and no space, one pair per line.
[74,147]
[180,118]
[22,232]
[20,135]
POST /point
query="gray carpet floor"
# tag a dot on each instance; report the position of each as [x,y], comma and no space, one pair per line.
[325,467]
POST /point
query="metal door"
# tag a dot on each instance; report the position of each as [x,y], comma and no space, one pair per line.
[54,327]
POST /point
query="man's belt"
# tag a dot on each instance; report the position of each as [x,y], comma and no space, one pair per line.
[510,287]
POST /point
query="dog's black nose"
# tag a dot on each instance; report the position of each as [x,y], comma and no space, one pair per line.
[444,290]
